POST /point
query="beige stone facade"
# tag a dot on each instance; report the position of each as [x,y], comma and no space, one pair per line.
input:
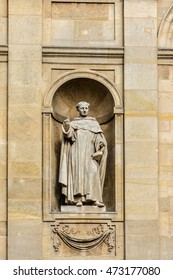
[118,56]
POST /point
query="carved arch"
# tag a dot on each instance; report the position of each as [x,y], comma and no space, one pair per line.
[82,74]
[165,32]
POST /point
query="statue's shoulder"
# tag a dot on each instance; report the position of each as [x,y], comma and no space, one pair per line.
[87,119]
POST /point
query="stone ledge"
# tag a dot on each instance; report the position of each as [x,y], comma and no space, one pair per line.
[82,209]
[51,51]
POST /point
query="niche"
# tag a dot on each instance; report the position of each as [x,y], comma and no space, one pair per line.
[102,108]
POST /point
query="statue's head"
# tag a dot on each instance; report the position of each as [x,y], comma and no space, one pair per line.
[83,108]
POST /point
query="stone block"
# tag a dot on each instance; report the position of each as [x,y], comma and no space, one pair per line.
[166,172]
[3,8]
[165,86]
[3,128]
[22,188]
[138,152]
[25,151]
[148,188]
[164,221]
[25,74]
[140,9]
[166,248]
[163,188]
[25,7]
[138,76]
[141,102]
[141,129]
[3,247]
[166,154]
[25,96]
[165,103]
[142,209]
[25,240]
[30,30]
[142,227]
[47,34]
[164,204]
[3,201]
[24,123]
[142,247]
[3,171]
[24,209]
[25,170]
[141,32]
[3,31]
[147,170]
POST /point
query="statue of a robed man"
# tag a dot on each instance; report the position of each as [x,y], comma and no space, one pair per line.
[83,159]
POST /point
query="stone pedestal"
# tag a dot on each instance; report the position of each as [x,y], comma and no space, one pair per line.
[82,209]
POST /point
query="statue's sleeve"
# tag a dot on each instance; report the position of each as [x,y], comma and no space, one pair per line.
[68,138]
[101,138]
[70,134]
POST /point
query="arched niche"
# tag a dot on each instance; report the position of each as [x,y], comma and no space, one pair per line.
[165,33]
[59,103]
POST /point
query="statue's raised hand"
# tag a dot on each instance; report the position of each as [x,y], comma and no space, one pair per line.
[66,124]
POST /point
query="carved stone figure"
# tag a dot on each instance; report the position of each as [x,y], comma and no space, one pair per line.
[83,159]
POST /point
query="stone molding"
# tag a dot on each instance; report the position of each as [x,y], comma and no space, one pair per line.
[165,56]
[3,53]
[165,32]
[50,51]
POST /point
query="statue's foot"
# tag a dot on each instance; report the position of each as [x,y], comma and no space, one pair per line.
[99,204]
[79,203]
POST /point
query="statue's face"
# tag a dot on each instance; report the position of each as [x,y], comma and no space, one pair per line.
[83,110]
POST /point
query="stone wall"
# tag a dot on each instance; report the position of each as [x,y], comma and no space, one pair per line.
[117,53]
[141,130]
[165,116]
[3,128]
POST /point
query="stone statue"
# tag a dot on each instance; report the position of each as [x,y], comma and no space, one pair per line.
[83,159]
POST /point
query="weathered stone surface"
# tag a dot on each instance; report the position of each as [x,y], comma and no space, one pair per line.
[115,47]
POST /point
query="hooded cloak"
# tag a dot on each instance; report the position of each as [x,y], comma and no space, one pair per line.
[83,160]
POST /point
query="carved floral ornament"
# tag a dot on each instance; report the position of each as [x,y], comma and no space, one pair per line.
[75,240]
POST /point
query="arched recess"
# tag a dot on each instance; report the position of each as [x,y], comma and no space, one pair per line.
[106,106]
[165,32]
[47,104]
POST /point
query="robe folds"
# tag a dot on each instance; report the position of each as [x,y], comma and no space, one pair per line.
[81,172]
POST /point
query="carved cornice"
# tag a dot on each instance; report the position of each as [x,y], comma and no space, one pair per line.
[49,51]
[3,53]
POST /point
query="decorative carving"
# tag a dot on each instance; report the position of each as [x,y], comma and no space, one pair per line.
[96,230]
[67,230]
[96,236]
[56,240]
[83,159]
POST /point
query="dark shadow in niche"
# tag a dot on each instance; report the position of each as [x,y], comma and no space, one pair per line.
[102,108]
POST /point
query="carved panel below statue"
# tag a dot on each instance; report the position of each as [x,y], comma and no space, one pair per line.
[91,239]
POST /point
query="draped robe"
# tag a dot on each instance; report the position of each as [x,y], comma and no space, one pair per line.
[81,174]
